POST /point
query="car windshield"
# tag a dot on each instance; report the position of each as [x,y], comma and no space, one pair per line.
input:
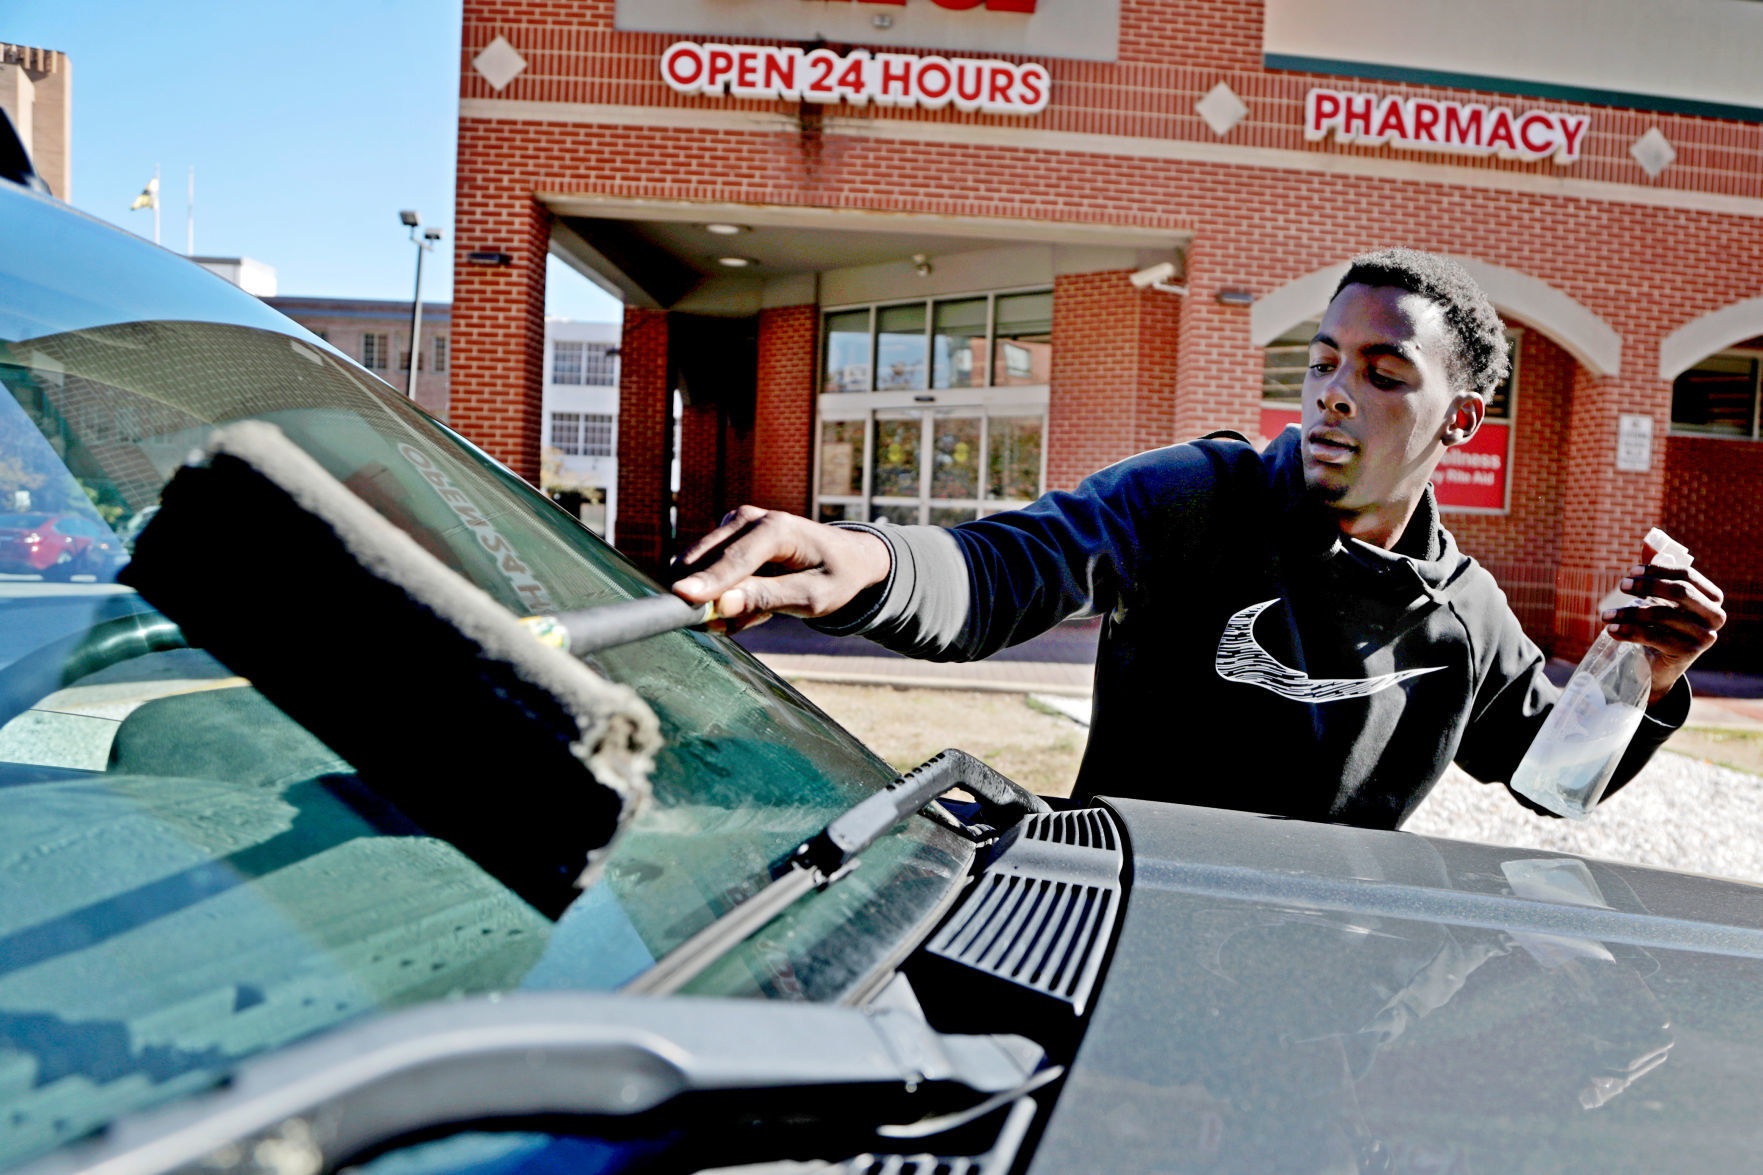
[188,877]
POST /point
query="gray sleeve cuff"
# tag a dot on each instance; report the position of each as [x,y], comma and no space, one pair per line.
[922,609]
[863,609]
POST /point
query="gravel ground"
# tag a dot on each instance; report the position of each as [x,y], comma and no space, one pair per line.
[1679,813]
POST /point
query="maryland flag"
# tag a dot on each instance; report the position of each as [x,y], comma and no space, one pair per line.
[149,197]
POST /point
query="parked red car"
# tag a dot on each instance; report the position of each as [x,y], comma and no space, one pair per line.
[57,546]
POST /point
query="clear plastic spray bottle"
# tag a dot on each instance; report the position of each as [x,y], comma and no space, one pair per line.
[1573,756]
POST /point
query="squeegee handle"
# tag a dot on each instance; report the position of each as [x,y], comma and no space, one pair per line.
[590,630]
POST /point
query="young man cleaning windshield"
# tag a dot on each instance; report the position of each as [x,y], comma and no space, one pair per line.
[1290,631]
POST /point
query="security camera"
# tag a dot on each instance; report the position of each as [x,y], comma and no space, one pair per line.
[1146,278]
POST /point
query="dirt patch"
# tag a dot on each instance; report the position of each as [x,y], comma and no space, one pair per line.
[1742,750]
[1040,751]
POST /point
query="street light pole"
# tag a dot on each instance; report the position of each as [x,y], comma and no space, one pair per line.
[424,244]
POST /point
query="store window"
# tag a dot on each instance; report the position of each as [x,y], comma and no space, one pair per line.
[934,411]
[847,351]
[958,344]
[900,347]
[1023,340]
[934,465]
[1720,396]
[1001,340]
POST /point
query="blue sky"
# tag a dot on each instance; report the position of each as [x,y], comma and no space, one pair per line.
[310,126]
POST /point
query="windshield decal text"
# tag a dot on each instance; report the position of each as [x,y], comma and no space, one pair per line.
[501,551]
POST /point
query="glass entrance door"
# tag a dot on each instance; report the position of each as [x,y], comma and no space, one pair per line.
[936,466]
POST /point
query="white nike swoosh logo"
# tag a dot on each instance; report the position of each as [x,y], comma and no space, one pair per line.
[1241,659]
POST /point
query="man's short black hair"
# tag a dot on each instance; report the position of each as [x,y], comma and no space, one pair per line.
[1479,358]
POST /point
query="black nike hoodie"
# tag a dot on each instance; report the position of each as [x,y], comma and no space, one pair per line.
[1251,656]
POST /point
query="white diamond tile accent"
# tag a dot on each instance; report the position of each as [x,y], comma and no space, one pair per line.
[1653,151]
[1221,109]
[499,63]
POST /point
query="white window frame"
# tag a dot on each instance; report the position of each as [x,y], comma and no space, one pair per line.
[599,365]
[595,424]
[557,425]
[578,349]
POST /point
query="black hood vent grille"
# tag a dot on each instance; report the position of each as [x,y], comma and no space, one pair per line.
[1089,828]
[1043,913]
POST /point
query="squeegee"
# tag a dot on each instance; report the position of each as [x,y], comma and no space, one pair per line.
[440,697]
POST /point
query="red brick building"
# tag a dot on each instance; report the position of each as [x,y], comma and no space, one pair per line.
[882,255]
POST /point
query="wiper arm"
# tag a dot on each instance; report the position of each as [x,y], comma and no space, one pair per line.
[831,853]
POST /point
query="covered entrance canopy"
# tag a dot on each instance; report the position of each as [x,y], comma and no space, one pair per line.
[896,366]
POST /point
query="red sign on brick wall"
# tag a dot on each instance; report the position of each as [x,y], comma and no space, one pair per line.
[1471,477]
[858,77]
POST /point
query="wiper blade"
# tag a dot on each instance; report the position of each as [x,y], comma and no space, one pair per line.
[531,1059]
[831,854]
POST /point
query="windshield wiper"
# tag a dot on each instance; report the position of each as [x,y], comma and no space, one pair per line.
[831,854]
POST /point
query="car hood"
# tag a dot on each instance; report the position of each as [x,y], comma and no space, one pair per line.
[1293,996]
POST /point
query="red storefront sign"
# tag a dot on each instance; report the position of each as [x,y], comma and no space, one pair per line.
[858,77]
[1429,124]
[1472,477]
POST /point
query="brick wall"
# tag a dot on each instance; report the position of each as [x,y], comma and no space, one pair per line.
[1713,488]
[1113,376]
[784,414]
[498,322]
[644,422]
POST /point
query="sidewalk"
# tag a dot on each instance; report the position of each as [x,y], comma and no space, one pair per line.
[1061,662]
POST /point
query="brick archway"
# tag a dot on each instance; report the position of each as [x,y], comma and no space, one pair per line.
[1569,323]
[1715,331]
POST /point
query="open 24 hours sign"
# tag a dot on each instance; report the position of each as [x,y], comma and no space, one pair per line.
[931,81]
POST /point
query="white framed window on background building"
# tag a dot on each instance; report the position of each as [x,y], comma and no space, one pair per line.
[566,361]
[566,433]
[374,351]
[577,362]
[934,410]
[582,434]
[600,365]
[441,355]
[596,435]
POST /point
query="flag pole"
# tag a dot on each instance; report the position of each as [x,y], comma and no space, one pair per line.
[190,220]
[155,203]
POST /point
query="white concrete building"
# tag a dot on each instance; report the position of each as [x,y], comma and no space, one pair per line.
[580,444]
